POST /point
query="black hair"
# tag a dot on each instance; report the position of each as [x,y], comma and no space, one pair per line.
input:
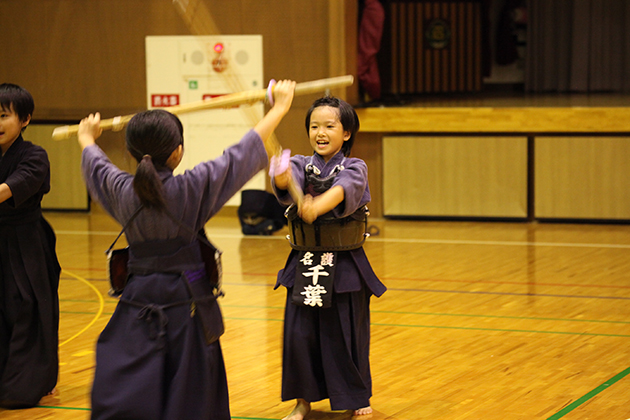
[151,137]
[19,98]
[347,117]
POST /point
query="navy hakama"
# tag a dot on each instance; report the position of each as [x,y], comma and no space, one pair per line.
[326,351]
[153,361]
[29,280]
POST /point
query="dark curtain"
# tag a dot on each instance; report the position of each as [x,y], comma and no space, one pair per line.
[578,46]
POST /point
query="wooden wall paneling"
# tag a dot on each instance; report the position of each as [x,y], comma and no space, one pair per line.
[420,77]
[336,36]
[461,34]
[470,47]
[428,58]
[93,53]
[455,176]
[368,146]
[394,48]
[83,56]
[453,50]
[437,53]
[417,66]
[445,52]
[582,177]
[411,71]
[478,51]
[67,190]
[342,44]
[404,48]
[351,36]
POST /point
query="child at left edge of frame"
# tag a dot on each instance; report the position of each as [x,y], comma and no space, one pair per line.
[29,269]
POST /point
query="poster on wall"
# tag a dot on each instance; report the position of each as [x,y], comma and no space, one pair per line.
[184,69]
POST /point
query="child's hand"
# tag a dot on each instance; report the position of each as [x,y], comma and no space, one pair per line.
[283,179]
[308,211]
[313,207]
[89,130]
[283,95]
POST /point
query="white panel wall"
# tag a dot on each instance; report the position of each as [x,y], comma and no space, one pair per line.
[188,68]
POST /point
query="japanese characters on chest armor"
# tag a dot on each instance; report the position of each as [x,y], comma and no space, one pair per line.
[320,241]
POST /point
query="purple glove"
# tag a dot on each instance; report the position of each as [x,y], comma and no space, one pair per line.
[279,165]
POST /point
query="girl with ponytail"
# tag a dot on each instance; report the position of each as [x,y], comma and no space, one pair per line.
[154,360]
[152,137]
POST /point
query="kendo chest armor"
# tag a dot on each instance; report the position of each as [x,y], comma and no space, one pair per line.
[327,233]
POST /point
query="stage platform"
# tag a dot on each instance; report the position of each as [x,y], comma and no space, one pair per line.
[499,156]
[499,112]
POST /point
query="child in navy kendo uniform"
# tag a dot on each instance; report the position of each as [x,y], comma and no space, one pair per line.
[29,269]
[153,360]
[328,277]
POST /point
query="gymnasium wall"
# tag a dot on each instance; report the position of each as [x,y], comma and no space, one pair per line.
[78,56]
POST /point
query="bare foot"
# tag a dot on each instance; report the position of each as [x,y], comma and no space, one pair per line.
[363,411]
[302,408]
[47,399]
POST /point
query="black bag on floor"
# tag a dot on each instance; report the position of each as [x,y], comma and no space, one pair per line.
[260,213]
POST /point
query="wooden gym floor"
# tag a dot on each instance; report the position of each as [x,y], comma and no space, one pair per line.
[481,320]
